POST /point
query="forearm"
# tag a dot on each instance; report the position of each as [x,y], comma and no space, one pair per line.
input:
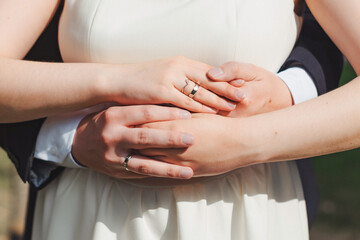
[337,19]
[48,88]
[327,124]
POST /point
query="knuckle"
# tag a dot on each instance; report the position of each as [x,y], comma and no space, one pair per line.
[173,138]
[188,102]
[110,114]
[230,90]
[174,114]
[219,101]
[233,66]
[147,113]
[106,137]
[108,158]
[142,137]
[142,168]
[172,172]
[175,62]
[252,70]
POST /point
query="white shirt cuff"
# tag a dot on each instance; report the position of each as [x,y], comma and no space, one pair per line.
[56,136]
[300,84]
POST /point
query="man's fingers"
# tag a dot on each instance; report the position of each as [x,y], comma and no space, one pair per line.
[140,138]
[233,70]
[150,167]
[136,115]
[154,152]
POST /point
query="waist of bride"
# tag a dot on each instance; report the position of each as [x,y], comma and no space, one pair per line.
[159,182]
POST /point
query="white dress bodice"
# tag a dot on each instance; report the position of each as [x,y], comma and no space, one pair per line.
[261,32]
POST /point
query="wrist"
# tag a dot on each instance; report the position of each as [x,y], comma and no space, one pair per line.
[109,83]
[249,142]
[80,137]
[285,96]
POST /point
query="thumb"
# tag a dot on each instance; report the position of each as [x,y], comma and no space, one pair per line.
[233,70]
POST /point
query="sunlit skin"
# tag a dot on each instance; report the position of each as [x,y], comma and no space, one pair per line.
[308,129]
[32,90]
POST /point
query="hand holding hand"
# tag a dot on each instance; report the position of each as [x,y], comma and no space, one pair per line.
[262,90]
[171,81]
[103,140]
[216,147]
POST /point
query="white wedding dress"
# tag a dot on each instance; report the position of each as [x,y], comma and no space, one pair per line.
[253,203]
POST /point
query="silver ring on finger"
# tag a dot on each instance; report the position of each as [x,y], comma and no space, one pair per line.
[194,91]
[186,84]
[126,161]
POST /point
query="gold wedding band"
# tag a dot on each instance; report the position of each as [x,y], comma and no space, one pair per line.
[194,91]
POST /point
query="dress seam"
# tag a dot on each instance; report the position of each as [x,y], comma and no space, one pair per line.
[91,28]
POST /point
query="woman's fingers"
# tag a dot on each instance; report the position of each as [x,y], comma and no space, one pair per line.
[233,70]
[223,89]
[150,167]
[140,138]
[190,104]
[206,97]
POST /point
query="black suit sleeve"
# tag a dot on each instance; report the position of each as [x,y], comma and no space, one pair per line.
[18,139]
[317,54]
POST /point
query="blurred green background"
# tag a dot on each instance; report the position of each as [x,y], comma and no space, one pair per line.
[338,178]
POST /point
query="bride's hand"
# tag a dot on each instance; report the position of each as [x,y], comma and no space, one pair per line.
[171,81]
[217,147]
[263,91]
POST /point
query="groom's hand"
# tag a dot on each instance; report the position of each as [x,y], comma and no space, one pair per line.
[262,90]
[103,140]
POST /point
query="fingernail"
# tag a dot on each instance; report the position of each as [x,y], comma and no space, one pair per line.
[238,82]
[232,105]
[186,173]
[187,139]
[185,115]
[240,95]
[211,110]
[216,72]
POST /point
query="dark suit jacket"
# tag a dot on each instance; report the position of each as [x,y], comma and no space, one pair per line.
[314,52]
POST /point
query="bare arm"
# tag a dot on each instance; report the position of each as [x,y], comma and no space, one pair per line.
[31,89]
[331,122]
[339,19]
[327,124]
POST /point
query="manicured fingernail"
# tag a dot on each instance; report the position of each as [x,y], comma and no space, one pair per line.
[232,105]
[216,72]
[240,95]
[211,110]
[186,173]
[187,139]
[185,115]
[238,82]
